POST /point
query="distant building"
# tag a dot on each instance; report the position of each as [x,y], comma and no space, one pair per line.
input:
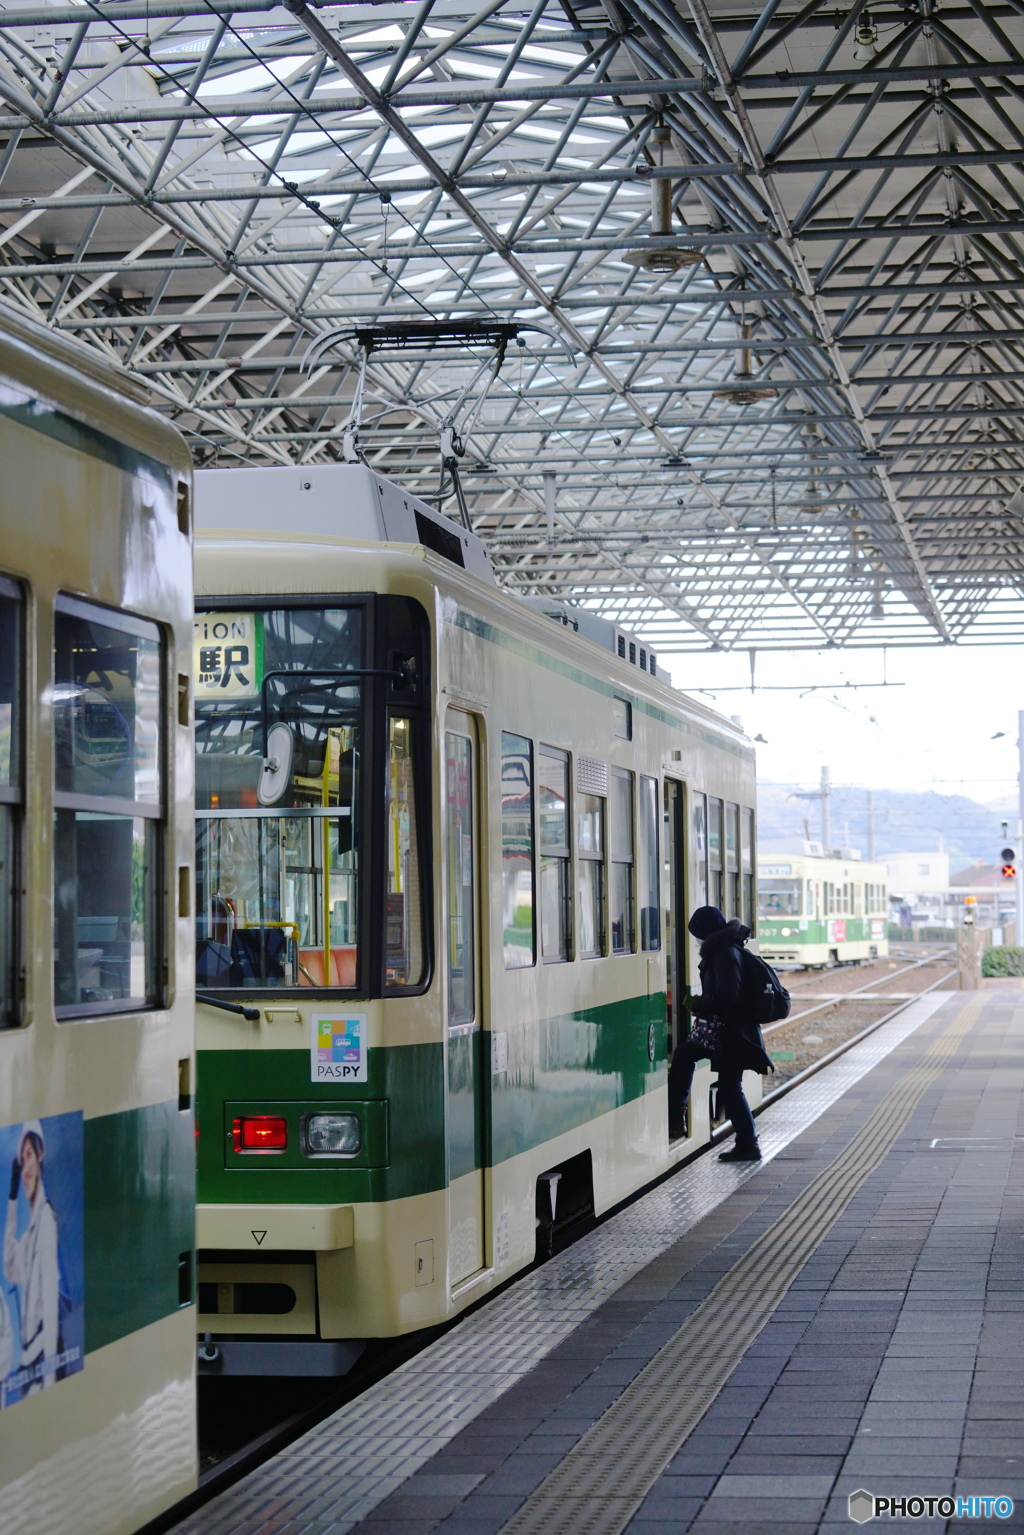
[923,893]
[919,889]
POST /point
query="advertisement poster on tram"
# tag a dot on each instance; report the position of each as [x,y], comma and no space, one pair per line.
[42,1273]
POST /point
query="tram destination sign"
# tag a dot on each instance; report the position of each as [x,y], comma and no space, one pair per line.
[227,656]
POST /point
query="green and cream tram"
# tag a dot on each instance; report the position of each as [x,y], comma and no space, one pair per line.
[97,1314]
[816,911]
[444,843]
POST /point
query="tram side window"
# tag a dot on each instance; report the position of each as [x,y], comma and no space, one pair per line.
[732,860]
[405,956]
[620,807]
[590,855]
[647,864]
[108,803]
[518,939]
[458,751]
[716,874]
[747,857]
[10,795]
[700,851]
[555,868]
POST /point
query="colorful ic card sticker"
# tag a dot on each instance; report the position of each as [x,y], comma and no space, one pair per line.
[338,1051]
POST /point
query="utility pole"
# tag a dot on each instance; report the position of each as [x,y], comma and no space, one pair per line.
[871,826]
[823,795]
[1019,877]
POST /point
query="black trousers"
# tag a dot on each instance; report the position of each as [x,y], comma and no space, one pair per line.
[730,1092]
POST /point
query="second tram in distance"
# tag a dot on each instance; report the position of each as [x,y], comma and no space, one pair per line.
[444,844]
[816,911]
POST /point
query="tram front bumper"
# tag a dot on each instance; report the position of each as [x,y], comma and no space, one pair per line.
[262,1228]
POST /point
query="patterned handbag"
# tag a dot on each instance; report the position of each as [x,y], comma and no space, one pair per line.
[708,1035]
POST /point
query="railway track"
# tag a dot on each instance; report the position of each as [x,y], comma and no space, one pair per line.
[834,998]
[839,1019]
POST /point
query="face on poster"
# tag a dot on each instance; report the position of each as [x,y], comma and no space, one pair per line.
[42,1275]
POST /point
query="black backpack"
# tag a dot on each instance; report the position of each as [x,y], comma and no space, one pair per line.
[764,994]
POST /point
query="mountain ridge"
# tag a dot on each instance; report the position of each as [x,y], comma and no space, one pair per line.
[906,821]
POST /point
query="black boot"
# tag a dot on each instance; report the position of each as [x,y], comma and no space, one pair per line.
[741,1154]
[677,1127]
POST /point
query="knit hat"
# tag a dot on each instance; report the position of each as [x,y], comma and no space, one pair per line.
[705,921]
[32,1127]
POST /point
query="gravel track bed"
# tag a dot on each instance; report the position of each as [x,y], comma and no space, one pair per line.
[800,1042]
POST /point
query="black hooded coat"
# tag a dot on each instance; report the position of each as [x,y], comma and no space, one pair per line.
[722,996]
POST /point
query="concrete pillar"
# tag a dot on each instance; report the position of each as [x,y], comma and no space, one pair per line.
[971,943]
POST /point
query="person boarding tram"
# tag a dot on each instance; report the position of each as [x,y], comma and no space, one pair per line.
[738,992]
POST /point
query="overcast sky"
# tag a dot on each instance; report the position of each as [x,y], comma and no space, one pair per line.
[934,731]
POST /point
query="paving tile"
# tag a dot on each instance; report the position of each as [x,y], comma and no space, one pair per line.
[442,1485]
[676,1521]
[521,1473]
[481,1515]
[768,1486]
[740,1525]
[788,1513]
[773,1443]
[784,1464]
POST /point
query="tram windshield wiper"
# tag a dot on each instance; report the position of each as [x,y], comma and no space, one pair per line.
[251,1013]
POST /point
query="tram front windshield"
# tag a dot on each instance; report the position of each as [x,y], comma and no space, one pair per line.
[778,897]
[279,732]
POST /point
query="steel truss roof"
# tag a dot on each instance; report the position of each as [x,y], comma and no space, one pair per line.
[201,188]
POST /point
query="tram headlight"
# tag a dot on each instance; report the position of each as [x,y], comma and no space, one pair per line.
[331,1135]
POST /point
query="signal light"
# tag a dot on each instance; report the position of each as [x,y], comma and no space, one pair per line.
[260,1132]
[1009,872]
[1009,858]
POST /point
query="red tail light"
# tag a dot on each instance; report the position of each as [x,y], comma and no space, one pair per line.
[260,1132]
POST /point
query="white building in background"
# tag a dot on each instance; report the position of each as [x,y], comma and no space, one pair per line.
[924,872]
[919,884]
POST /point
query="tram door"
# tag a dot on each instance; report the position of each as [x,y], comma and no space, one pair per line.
[466,1077]
[675,909]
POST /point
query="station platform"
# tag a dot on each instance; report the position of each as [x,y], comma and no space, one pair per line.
[742,1348]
